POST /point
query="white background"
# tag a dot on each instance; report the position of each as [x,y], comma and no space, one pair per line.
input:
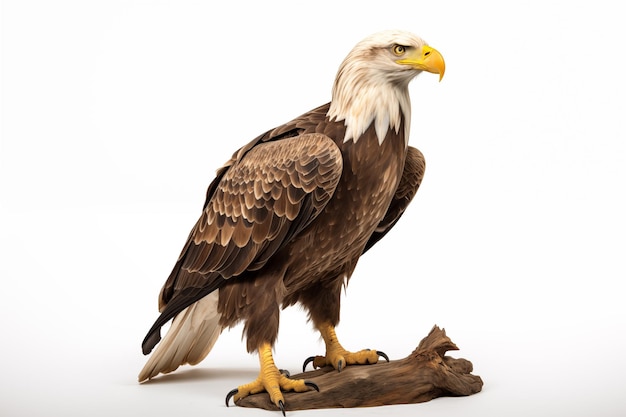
[115,115]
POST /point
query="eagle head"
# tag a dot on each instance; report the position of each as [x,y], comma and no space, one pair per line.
[371,85]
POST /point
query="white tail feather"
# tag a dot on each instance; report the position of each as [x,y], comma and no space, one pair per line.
[190,338]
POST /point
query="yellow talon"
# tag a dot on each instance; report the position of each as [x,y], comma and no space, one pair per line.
[338,357]
[270,380]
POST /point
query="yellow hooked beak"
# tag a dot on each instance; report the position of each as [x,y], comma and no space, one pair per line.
[427,59]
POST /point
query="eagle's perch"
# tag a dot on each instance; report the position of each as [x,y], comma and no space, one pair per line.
[425,374]
[288,216]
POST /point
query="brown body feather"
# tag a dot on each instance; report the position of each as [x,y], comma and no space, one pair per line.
[286,221]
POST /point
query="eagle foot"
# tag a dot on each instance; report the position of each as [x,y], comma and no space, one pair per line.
[284,384]
[341,358]
[337,356]
[270,380]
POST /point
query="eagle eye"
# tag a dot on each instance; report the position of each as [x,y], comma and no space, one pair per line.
[399,50]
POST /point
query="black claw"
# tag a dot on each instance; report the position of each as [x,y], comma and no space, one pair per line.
[230,395]
[281,405]
[383,354]
[312,385]
[307,361]
[285,372]
[339,366]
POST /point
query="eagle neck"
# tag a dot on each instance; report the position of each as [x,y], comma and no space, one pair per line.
[360,100]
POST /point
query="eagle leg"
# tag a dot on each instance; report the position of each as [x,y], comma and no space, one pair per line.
[270,380]
[338,357]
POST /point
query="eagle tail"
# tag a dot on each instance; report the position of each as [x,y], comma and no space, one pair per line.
[189,339]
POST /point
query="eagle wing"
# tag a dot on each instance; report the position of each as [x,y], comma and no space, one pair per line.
[414,167]
[263,197]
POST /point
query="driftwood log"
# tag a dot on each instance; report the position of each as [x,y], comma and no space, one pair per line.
[425,374]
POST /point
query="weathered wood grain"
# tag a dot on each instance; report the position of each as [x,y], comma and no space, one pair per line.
[425,374]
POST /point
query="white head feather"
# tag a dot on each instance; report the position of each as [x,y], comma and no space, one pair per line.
[371,87]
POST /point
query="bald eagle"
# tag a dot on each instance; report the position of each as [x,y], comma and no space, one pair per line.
[288,216]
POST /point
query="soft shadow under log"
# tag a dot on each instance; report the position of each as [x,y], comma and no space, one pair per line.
[425,374]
